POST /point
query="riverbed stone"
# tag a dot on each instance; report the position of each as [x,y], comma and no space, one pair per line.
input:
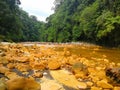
[95,88]
[64,77]
[3,69]
[89,84]
[50,85]
[37,75]
[104,84]
[22,84]
[54,64]
[2,85]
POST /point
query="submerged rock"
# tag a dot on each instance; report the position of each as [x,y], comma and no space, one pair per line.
[113,74]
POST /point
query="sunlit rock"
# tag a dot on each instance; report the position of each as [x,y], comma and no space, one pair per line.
[82,85]
[104,84]
[95,88]
[89,84]
[54,64]
[50,85]
[116,88]
[64,77]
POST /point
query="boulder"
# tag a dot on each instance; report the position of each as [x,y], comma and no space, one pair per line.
[22,84]
[113,74]
[54,64]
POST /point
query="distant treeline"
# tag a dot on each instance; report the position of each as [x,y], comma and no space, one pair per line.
[16,24]
[95,21]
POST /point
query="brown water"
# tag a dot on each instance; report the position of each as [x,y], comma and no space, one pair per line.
[92,51]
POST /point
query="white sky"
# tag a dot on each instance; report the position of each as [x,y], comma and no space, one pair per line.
[40,8]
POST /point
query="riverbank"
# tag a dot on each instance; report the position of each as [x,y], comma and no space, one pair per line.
[56,67]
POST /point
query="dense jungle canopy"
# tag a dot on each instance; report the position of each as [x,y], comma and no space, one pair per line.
[95,21]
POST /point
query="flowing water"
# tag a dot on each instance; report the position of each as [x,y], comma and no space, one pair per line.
[93,51]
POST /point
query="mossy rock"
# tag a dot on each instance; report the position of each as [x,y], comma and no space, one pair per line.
[79,67]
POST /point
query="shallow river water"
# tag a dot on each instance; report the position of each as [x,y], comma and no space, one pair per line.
[93,51]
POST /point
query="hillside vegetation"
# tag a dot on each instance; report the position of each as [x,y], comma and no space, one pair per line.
[95,21]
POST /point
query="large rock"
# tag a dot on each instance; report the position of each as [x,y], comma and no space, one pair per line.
[113,74]
[22,84]
[50,85]
[54,64]
[66,78]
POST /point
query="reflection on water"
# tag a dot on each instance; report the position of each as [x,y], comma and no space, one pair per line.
[92,51]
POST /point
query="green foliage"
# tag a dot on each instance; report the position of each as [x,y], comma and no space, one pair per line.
[95,21]
[16,25]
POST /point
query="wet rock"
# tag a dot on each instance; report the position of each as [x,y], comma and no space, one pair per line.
[22,84]
[113,74]
[78,67]
[104,84]
[54,64]
[66,52]
[79,70]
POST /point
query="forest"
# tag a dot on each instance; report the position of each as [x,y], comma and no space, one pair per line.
[93,21]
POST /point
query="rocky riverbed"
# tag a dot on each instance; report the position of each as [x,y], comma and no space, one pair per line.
[48,67]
